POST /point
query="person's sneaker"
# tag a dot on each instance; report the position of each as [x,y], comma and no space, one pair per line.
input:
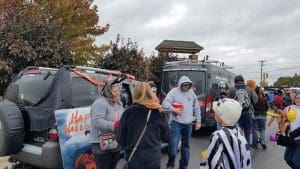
[254,147]
[264,146]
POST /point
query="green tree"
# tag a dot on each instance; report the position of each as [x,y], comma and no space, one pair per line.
[156,68]
[288,81]
[80,20]
[29,37]
[125,57]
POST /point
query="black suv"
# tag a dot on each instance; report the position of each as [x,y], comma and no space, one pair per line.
[28,129]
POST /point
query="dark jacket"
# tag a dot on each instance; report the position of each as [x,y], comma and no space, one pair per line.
[261,107]
[241,85]
[287,100]
[148,153]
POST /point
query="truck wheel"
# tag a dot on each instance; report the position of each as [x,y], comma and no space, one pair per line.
[11,128]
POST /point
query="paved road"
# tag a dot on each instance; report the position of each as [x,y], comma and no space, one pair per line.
[3,162]
[272,158]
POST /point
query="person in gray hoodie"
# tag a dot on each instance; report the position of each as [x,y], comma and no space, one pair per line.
[181,119]
[105,118]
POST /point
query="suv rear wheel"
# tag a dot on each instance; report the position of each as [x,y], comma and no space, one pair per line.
[11,128]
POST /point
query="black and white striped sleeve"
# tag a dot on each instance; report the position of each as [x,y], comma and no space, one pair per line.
[214,152]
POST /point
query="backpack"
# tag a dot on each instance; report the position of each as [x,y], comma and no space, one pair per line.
[241,95]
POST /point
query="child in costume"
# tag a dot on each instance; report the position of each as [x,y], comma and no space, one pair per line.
[228,148]
[290,138]
[280,117]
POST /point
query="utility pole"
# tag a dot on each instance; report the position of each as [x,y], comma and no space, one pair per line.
[261,71]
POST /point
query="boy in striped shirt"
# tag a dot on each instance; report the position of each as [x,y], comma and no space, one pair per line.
[228,148]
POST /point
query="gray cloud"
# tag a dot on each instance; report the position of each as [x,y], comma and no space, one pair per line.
[240,33]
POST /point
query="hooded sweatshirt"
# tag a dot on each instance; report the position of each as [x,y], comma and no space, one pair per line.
[189,101]
[103,115]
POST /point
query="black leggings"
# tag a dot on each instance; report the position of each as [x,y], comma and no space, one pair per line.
[105,160]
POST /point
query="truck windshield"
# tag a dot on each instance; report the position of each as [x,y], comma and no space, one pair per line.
[171,78]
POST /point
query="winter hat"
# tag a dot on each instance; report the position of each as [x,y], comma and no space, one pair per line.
[229,110]
[106,90]
[153,86]
[239,78]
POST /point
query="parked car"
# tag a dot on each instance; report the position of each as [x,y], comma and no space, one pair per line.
[29,129]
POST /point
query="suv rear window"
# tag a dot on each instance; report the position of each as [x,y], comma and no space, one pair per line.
[171,78]
[84,92]
[29,89]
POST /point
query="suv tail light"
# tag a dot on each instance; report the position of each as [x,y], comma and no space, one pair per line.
[53,134]
[208,105]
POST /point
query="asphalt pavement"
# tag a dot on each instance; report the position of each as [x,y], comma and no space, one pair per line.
[272,158]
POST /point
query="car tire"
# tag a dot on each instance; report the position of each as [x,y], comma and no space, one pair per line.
[11,128]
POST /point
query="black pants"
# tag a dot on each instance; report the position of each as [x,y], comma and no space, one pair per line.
[105,160]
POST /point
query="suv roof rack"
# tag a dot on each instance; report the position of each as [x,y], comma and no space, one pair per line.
[227,67]
[47,68]
[99,70]
[211,61]
[218,63]
[28,68]
[105,71]
[40,68]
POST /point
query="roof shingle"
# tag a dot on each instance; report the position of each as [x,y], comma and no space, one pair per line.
[183,46]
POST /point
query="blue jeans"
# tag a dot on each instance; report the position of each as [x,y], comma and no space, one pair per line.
[245,123]
[292,156]
[184,132]
[218,126]
[259,126]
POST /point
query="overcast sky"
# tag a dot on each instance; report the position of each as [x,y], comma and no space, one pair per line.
[240,33]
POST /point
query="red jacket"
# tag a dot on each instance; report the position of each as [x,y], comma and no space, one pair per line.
[278,100]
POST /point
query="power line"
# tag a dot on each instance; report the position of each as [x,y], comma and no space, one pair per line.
[269,64]
[274,70]
[284,69]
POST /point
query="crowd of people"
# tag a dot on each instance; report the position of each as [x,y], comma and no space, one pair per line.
[241,115]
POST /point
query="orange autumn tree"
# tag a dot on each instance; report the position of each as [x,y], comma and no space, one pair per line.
[47,33]
[29,37]
[80,19]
